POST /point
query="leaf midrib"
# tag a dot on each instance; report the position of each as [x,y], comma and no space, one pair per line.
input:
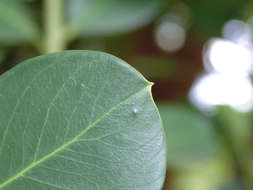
[75,139]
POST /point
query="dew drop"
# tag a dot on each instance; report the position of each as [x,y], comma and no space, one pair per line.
[83,85]
[135,110]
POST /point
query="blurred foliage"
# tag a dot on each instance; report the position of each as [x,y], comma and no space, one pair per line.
[208,152]
[2,53]
[229,121]
[16,23]
[156,68]
[235,131]
[210,15]
[109,17]
[190,136]
[209,176]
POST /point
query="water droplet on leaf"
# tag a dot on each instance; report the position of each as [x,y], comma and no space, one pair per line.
[135,110]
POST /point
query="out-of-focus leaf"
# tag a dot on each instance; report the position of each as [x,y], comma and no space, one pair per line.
[234,185]
[109,17]
[236,125]
[209,176]
[2,53]
[250,166]
[190,137]
[235,128]
[16,23]
[210,15]
[79,120]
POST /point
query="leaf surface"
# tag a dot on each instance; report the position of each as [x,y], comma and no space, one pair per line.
[79,120]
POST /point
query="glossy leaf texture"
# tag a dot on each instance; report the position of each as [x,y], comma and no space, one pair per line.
[190,136]
[16,23]
[110,17]
[79,120]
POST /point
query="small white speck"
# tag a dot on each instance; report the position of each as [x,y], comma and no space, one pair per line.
[135,110]
[83,85]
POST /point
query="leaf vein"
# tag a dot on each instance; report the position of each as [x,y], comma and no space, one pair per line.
[49,109]
[19,100]
[45,183]
[75,139]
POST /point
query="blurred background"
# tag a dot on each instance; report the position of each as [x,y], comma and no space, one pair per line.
[199,54]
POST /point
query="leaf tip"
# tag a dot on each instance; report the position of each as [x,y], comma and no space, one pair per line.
[150,83]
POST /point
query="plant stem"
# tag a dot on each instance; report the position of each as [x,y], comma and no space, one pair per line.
[54,31]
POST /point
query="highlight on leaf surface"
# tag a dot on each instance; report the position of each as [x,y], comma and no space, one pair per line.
[79,120]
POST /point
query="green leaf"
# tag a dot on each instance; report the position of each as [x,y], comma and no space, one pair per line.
[209,176]
[2,54]
[190,137]
[237,125]
[79,120]
[16,23]
[210,15]
[109,17]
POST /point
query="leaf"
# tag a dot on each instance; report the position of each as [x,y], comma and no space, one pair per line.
[2,54]
[109,17]
[16,24]
[190,137]
[209,176]
[209,16]
[237,125]
[79,120]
